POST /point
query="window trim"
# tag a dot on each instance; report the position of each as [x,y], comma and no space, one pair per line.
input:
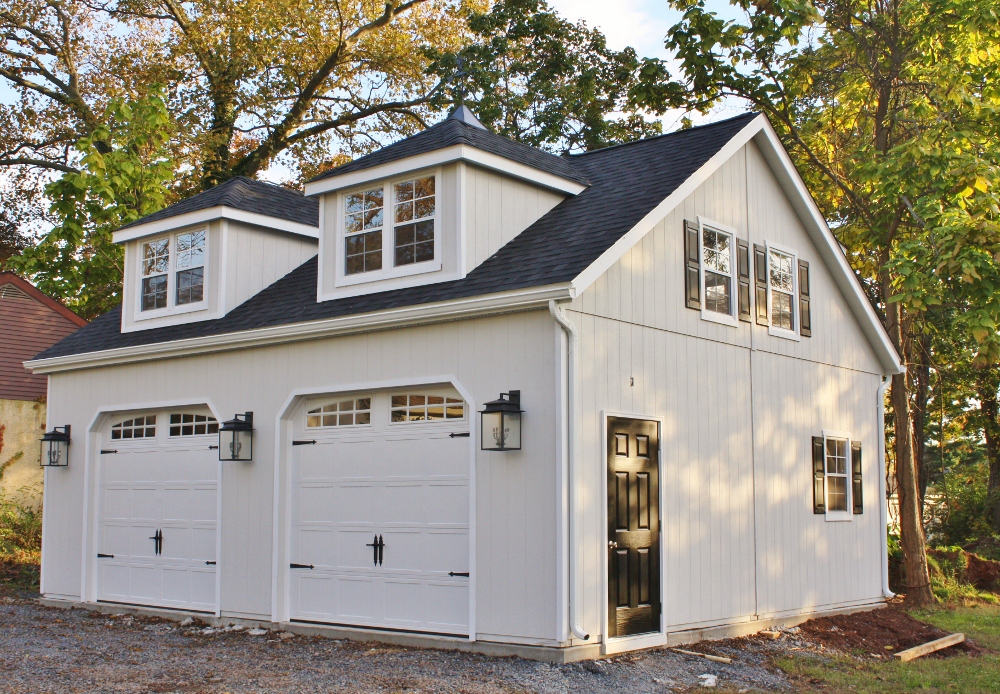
[732,319]
[792,334]
[389,268]
[847,514]
[426,422]
[172,308]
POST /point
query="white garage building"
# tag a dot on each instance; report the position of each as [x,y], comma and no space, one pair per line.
[698,368]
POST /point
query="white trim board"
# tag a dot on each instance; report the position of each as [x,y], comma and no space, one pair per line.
[211,213]
[760,131]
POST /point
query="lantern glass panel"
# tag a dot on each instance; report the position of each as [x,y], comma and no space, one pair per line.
[512,431]
[491,427]
[54,453]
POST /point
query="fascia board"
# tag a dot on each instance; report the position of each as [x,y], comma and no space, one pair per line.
[445,156]
[472,307]
[209,214]
[760,130]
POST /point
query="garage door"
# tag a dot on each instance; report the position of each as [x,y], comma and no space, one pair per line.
[157,511]
[380,512]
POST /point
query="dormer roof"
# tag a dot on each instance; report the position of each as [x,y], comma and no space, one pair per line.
[460,129]
[241,195]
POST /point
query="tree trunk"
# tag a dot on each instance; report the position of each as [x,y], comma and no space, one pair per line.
[917,578]
[921,387]
[987,384]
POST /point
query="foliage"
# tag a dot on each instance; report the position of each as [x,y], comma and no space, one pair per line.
[20,544]
[124,176]
[948,566]
[542,80]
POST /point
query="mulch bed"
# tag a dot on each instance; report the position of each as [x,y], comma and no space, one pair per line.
[871,632]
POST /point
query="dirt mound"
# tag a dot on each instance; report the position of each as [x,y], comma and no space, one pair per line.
[871,633]
[964,566]
[984,574]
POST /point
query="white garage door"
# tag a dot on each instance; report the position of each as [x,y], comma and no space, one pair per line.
[157,511]
[380,512]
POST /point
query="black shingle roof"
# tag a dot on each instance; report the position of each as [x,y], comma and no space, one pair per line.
[627,182]
[245,194]
[456,131]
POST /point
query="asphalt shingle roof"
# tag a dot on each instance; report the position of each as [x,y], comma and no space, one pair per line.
[455,131]
[627,182]
[245,194]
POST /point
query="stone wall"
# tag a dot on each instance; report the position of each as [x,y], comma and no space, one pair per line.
[22,423]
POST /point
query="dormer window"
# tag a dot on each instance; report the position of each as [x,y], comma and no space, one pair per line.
[173,271]
[402,210]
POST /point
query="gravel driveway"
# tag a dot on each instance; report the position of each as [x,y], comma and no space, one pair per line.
[52,650]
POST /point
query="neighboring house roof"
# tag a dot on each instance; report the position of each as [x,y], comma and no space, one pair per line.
[462,128]
[244,194]
[631,188]
[32,321]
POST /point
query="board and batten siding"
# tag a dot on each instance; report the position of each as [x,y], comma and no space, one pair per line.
[257,258]
[740,540]
[516,493]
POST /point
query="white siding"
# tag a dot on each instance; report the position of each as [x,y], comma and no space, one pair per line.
[498,208]
[515,492]
[256,258]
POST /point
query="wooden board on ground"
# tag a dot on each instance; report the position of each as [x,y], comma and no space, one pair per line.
[930,647]
[716,658]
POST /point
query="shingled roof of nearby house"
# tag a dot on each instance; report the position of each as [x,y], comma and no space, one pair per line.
[462,128]
[242,193]
[626,183]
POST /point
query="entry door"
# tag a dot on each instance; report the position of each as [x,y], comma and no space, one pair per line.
[380,526]
[157,528]
[633,527]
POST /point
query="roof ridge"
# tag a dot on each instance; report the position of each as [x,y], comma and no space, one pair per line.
[704,126]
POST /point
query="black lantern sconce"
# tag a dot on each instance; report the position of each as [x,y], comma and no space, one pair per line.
[236,438]
[55,447]
[500,423]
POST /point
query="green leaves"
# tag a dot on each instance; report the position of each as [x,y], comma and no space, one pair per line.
[125,170]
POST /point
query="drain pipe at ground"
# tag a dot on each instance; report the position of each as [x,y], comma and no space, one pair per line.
[570,460]
[884,499]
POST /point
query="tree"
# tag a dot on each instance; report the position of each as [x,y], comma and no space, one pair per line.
[539,79]
[886,108]
[125,172]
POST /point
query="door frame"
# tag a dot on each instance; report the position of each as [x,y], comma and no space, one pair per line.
[282,506]
[620,644]
[92,488]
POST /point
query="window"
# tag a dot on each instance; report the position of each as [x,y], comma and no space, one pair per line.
[422,408]
[414,220]
[716,272]
[181,257]
[190,267]
[363,231]
[185,424]
[155,265]
[717,267]
[836,474]
[781,282]
[343,413]
[137,428]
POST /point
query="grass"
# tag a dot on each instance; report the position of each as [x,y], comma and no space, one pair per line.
[20,546]
[956,674]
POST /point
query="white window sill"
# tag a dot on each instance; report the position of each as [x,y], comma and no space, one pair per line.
[721,318]
[171,311]
[392,273]
[786,334]
[838,516]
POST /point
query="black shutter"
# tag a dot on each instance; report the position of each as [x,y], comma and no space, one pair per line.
[692,266]
[760,279]
[819,477]
[805,317]
[743,273]
[856,495]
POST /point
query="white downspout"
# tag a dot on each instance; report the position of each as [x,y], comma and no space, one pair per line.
[570,460]
[883,499]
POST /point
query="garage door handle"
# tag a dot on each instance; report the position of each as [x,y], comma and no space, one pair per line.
[459,434]
[300,566]
[209,563]
[459,573]
[105,556]
[105,451]
[303,443]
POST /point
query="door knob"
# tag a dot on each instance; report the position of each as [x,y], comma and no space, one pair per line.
[612,544]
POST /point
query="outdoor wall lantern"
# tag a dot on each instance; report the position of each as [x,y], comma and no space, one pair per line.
[55,447]
[500,423]
[236,438]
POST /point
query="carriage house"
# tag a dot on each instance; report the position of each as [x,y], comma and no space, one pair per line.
[468,394]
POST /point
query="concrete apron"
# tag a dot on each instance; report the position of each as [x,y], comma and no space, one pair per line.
[547,654]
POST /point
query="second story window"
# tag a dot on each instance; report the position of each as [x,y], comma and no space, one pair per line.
[363,231]
[414,220]
[190,267]
[781,277]
[717,261]
[155,267]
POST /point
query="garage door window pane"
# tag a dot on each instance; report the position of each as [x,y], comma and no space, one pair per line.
[190,424]
[136,428]
[341,413]
[426,408]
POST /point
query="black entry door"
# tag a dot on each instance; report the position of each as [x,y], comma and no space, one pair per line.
[633,527]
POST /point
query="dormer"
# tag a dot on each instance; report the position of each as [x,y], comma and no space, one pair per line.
[200,258]
[432,207]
